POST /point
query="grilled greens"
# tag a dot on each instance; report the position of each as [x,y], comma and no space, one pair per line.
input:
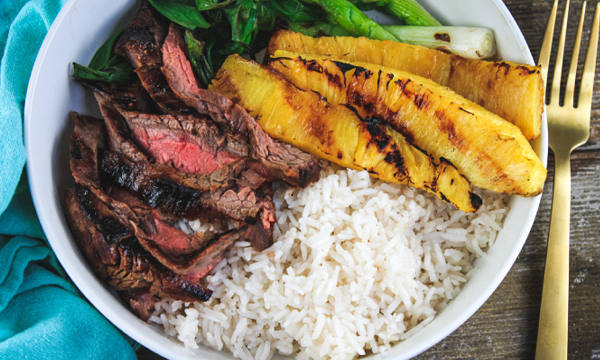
[216,29]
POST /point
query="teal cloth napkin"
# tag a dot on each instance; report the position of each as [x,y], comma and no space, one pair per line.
[42,315]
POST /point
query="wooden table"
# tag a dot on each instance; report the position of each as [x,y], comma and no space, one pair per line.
[506,325]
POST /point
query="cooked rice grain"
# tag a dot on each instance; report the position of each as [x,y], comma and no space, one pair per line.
[358,265]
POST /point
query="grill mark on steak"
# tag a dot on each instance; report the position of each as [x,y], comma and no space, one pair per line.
[140,44]
[125,265]
[155,189]
[284,161]
[181,194]
[133,97]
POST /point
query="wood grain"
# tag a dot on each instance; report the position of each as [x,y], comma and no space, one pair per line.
[505,327]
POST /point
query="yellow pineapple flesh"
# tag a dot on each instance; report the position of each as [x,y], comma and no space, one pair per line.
[512,91]
[336,133]
[491,152]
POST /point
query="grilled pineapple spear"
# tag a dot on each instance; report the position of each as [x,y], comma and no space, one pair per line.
[491,152]
[499,87]
[337,133]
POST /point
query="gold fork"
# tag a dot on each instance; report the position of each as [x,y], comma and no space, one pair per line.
[568,127]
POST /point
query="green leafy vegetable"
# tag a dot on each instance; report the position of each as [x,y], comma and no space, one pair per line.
[352,19]
[319,29]
[267,16]
[104,53]
[200,62]
[296,11]
[181,12]
[105,66]
[280,13]
[243,18]
[204,5]
[121,73]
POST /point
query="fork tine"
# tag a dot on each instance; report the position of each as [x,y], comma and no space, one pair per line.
[544,60]
[587,80]
[555,93]
[570,90]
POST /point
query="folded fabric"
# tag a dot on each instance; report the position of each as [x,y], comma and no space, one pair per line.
[42,315]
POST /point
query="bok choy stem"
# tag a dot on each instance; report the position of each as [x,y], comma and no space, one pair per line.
[471,43]
[410,12]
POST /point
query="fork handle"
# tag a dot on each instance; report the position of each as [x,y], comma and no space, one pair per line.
[554,313]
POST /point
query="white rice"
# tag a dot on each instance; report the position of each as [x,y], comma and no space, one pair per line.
[357,266]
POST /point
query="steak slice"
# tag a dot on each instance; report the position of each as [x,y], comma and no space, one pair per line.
[284,161]
[87,140]
[185,142]
[181,194]
[132,97]
[124,263]
[140,43]
[119,136]
[174,242]
[151,225]
[191,256]
[162,187]
[141,301]
[251,178]
[259,237]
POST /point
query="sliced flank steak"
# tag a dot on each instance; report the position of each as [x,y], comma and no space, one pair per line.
[151,225]
[163,187]
[167,150]
[184,142]
[122,261]
[281,160]
[140,43]
[191,256]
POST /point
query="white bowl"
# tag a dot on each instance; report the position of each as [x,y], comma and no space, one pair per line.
[83,25]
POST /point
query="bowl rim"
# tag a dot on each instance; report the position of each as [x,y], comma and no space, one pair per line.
[115,316]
